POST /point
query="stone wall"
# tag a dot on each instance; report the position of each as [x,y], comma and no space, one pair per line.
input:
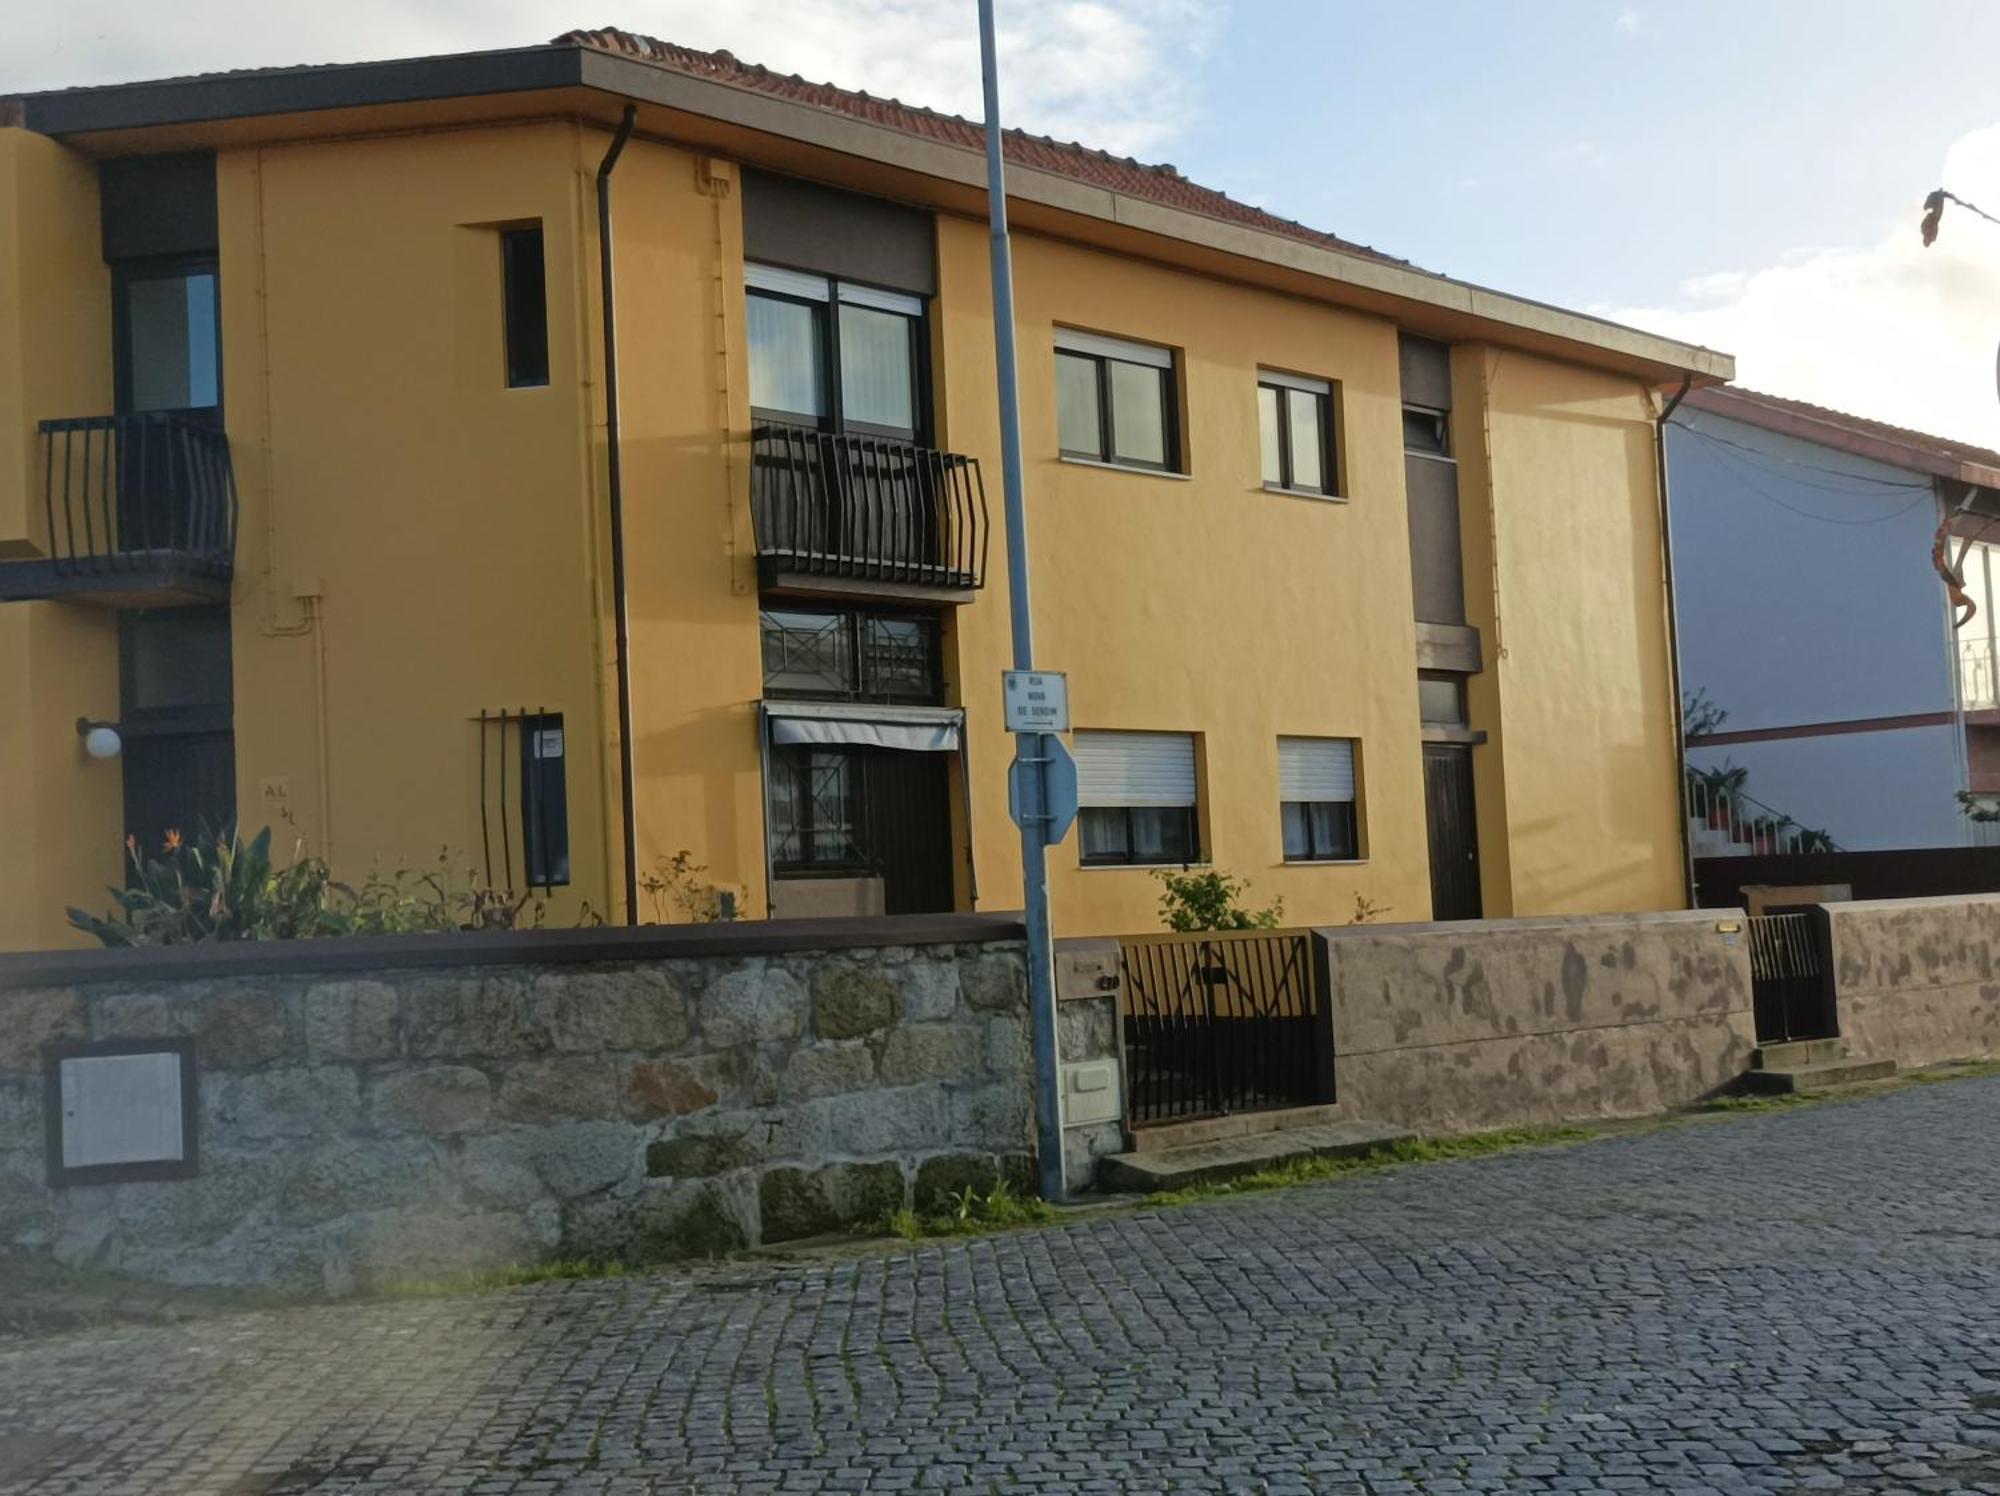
[1498,1023]
[1918,980]
[377,1123]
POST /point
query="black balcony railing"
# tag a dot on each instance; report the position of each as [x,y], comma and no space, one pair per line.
[141,504]
[842,507]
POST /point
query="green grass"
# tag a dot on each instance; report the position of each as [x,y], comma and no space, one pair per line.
[515,1275]
[972,1214]
[1412,1151]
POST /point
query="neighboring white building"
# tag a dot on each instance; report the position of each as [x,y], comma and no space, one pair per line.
[1810,612]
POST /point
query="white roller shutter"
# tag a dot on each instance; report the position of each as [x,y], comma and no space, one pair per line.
[1135,768]
[1315,769]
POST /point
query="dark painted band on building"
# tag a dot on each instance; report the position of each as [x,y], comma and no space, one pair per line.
[512,947]
[804,226]
[1822,729]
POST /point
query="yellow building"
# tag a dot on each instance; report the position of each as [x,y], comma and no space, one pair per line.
[307,490]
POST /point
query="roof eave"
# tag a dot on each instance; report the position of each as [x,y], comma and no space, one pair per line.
[1839,436]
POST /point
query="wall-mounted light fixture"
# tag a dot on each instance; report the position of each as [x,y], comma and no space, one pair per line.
[100,739]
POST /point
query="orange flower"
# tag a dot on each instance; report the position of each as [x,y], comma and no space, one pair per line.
[173,841]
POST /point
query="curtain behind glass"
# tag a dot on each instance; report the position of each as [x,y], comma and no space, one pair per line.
[877,373]
[784,357]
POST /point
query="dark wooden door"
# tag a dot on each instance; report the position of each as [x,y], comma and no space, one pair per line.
[1454,834]
[909,830]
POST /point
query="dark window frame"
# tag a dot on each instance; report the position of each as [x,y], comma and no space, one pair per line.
[1453,679]
[826,343]
[1329,453]
[1130,857]
[1350,851]
[1107,424]
[1440,422]
[524,330]
[795,759]
[855,623]
[124,273]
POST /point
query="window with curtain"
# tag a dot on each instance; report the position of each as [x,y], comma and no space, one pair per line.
[1295,422]
[1138,798]
[1116,402]
[835,354]
[1316,799]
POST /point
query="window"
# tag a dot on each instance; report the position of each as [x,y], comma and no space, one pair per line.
[1295,418]
[524,290]
[834,354]
[1115,401]
[815,810]
[169,336]
[1137,796]
[1316,799]
[848,654]
[544,800]
[1441,699]
[1426,430]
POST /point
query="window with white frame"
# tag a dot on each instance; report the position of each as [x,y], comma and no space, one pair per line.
[1137,797]
[1316,799]
[1295,421]
[1116,401]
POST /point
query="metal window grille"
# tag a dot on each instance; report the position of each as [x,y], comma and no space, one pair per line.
[523,799]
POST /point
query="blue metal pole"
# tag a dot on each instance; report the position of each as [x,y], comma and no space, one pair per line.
[1034,852]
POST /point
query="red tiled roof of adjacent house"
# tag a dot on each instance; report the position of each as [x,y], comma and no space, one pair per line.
[1798,417]
[1155,183]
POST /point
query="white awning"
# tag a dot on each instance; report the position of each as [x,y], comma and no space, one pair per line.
[914,729]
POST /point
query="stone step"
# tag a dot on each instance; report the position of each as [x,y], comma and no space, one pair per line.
[1163,1135]
[1820,1077]
[1797,1052]
[1146,1170]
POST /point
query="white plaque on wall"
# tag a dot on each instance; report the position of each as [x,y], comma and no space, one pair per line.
[121,1111]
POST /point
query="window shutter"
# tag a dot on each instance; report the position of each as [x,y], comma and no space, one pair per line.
[1135,768]
[1070,340]
[1315,769]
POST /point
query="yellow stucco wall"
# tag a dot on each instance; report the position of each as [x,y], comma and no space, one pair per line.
[415,541]
[419,542]
[1560,503]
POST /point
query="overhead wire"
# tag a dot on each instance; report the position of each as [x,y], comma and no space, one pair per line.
[1744,468]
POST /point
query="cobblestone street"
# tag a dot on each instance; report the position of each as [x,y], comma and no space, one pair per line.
[1799,1299]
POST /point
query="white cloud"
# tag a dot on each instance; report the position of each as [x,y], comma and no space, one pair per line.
[1112,73]
[1630,21]
[1892,330]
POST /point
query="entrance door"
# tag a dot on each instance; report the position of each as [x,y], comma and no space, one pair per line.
[1454,834]
[852,825]
[909,821]
[176,714]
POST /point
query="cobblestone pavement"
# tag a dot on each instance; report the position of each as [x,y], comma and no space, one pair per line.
[1804,1300]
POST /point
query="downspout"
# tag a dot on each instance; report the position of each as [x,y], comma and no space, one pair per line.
[1674,637]
[616,494]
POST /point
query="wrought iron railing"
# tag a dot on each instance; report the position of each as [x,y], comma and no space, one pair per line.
[1223,1022]
[1790,994]
[134,493]
[1736,825]
[839,504]
[1978,675]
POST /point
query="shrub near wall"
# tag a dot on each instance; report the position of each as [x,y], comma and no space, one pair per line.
[376,1126]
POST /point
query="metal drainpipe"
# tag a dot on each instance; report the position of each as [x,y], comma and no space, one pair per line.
[1674,635]
[615,490]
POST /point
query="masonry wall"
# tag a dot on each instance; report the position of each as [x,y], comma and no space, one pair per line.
[1507,1022]
[1918,980]
[396,1121]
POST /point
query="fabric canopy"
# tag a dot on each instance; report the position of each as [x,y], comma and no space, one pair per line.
[914,729]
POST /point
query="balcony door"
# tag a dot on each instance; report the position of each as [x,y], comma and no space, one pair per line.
[176,713]
[166,328]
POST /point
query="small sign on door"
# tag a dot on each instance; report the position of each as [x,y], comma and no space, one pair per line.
[1036,700]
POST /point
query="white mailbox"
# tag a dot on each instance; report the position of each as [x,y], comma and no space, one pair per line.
[1090,1092]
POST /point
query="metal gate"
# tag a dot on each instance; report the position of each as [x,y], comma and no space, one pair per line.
[1789,984]
[1224,1021]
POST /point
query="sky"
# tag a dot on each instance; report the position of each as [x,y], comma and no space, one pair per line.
[1747,174]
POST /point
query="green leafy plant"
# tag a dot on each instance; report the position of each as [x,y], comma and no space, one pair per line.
[678,886]
[1981,807]
[1211,900]
[1700,716]
[966,1212]
[213,886]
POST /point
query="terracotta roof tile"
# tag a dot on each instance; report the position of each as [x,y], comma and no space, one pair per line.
[1156,183]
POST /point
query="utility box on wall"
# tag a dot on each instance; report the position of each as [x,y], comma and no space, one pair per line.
[1091,1093]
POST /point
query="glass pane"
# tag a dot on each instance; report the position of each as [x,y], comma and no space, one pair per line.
[177,657]
[781,809]
[1103,832]
[1138,421]
[1267,430]
[1441,701]
[1162,833]
[1425,431]
[170,342]
[833,792]
[1308,460]
[1077,421]
[784,357]
[808,654]
[526,311]
[901,658]
[877,373]
[1333,829]
[1298,837]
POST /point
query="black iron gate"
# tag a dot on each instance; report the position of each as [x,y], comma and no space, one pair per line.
[1224,1021]
[1790,987]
